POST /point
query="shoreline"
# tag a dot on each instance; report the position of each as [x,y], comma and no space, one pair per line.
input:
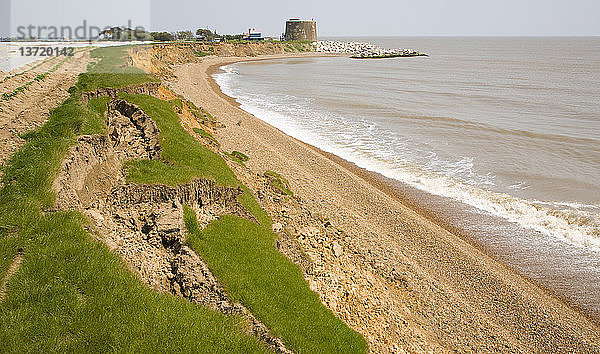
[215,68]
[376,179]
[425,218]
[407,195]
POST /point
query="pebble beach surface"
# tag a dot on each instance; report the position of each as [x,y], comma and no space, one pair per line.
[419,285]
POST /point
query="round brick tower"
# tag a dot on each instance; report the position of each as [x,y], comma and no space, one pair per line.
[296,30]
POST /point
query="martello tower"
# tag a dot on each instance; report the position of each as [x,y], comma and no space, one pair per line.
[296,30]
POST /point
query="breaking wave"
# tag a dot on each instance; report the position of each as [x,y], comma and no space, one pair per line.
[374,148]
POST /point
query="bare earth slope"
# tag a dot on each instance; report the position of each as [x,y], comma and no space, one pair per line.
[402,281]
[29,109]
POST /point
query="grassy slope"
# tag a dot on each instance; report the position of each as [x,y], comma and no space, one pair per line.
[187,158]
[108,73]
[72,293]
[241,253]
[244,258]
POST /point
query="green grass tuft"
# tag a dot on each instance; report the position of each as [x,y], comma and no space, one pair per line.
[240,156]
[237,157]
[205,134]
[177,102]
[279,182]
[202,115]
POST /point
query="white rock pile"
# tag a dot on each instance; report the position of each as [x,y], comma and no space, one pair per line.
[362,49]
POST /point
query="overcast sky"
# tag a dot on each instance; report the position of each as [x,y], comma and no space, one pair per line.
[334,18]
[388,17]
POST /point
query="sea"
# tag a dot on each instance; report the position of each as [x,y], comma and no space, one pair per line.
[499,137]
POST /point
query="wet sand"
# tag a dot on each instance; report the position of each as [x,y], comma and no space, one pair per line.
[431,288]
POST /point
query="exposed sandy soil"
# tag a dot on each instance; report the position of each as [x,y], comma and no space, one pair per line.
[29,110]
[27,72]
[159,59]
[404,282]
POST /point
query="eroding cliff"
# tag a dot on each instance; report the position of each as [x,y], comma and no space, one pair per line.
[159,59]
[142,223]
[146,88]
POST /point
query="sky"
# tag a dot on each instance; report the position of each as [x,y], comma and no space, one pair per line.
[334,18]
[388,17]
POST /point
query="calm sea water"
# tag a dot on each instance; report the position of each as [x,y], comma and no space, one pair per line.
[509,127]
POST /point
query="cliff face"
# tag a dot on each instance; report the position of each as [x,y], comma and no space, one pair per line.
[147,88]
[93,166]
[142,223]
[159,59]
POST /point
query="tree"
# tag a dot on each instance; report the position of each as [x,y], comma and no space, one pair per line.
[142,35]
[125,34]
[184,35]
[162,36]
[232,37]
[205,34]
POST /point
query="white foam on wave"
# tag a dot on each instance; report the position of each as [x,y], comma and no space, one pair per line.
[379,150]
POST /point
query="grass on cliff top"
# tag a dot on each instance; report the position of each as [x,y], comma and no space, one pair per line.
[111,70]
[298,46]
[242,254]
[72,294]
[95,124]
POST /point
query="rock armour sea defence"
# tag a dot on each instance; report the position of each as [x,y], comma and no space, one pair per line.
[363,50]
